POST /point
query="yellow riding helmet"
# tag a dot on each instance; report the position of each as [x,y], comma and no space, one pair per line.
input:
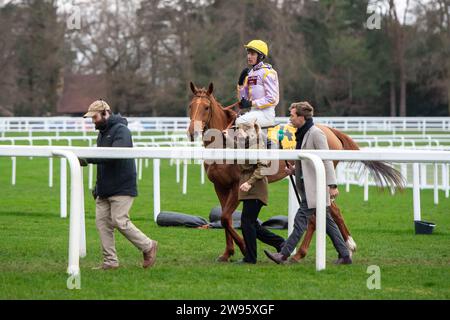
[259,46]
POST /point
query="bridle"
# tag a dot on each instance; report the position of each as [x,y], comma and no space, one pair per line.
[207,123]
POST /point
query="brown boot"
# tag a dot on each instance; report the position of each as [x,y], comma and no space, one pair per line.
[150,255]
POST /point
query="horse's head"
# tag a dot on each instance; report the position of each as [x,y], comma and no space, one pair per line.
[200,110]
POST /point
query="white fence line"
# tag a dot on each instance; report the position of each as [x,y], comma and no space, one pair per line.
[175,142]
[77,238]
[348,174]
[170,124]
[402,140]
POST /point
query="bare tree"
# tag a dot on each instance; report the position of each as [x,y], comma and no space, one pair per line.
[398,37]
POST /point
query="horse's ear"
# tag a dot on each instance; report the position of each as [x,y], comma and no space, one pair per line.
[193,88]
[210,88]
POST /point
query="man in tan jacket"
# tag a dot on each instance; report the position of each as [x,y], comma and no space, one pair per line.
[310,137]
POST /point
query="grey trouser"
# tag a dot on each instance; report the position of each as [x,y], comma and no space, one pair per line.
[112,213]
[301,223]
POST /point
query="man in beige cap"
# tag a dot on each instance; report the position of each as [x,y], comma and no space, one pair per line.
[116,188]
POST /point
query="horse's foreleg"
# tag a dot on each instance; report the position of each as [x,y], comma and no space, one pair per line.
[230,202]
[303,249]
[229,248]
[227,223]
[335,213]
[227,220]
[231,234]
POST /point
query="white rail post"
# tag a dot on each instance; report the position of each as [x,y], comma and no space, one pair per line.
[416,192]
[185,176]
[320,209]
[202,173]
[30,141]
[50,172]
[443,176]
[347,179]
[13,172]
[436,187]
[446,177]
[423,175]
[178,170]
[50,167]
[140,168]
[90,176]
[404,170]
[76,213]
[366,186]
[82,218]
[156,189]
[63,187]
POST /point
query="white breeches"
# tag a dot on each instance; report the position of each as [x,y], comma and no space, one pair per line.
[264,117]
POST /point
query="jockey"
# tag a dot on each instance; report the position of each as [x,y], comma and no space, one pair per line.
[258,87]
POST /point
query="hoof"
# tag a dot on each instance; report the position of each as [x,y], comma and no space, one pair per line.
[294,260]
[223,259]
[301,254]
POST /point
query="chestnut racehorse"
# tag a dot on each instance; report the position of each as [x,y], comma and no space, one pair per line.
[206,113]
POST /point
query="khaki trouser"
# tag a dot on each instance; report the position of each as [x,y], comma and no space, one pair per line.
[112,213]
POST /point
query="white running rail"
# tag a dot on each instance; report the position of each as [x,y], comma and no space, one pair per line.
[77,211]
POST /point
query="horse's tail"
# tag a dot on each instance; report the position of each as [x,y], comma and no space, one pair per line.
[383,173]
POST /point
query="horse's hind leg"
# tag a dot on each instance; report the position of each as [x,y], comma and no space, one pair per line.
[335,213]
[303,249]
[339,219]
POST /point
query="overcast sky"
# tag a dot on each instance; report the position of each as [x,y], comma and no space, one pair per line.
[401,6]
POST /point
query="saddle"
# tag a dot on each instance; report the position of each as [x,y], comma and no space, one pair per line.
[270,133]
[270,136]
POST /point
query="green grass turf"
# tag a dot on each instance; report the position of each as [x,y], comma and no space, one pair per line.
[34,247]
